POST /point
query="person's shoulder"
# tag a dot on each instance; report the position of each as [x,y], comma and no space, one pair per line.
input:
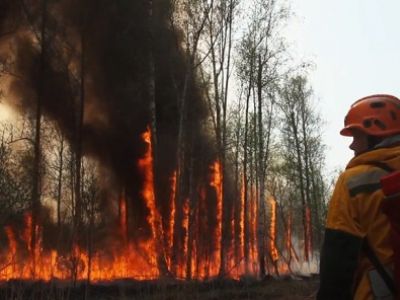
[357,170]
[349,173]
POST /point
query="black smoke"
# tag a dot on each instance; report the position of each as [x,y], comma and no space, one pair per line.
[118,38]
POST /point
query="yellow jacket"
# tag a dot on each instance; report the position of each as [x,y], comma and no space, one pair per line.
[354,214]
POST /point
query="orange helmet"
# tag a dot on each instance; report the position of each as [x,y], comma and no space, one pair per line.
[377,115]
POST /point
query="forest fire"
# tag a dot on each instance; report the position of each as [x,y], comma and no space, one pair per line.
[242,221]
[41,264]
[216,182]
[185,225]
[170,235]
[123,217]
[131,160]
[272,231]
[253,231]
[154,218]
[136,259]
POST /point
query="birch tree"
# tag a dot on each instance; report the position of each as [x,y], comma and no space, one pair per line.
[262,57]
[218,49]
[191,18]
[303,153]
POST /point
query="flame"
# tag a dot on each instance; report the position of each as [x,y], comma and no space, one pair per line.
[193,262]
[216,182]
[203,264]
[27,235]
[12,244]
[123,218]
[139,259]
[272,231]
[242,220]
[196,242]
[231,252]
[170,235]
[11,256]
[128,262]
[154,218]
[146,165]
[185,225]
[253,230]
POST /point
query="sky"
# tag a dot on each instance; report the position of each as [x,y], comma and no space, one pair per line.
[355,48]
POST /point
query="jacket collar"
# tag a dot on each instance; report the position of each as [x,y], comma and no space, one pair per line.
[388,142]
[388,151]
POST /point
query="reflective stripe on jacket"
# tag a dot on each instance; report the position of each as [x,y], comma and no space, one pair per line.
[354,214]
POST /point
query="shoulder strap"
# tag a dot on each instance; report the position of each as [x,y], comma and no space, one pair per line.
[378,266]
[367,248]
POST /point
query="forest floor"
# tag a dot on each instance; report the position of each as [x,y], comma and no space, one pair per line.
[290,288]
[274,289]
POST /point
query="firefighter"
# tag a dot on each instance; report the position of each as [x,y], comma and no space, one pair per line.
[357,254]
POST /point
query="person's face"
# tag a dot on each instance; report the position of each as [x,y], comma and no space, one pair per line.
[360,142]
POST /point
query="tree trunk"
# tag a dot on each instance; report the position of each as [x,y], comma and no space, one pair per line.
[79,133]
[301,182]
[179,183]
[59,181]
[245,155]
[160,246]
[181,142]
[237,205]
[245,191]
[261,172]
[307,172]
[36,178]
[191,222]
[219,136]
